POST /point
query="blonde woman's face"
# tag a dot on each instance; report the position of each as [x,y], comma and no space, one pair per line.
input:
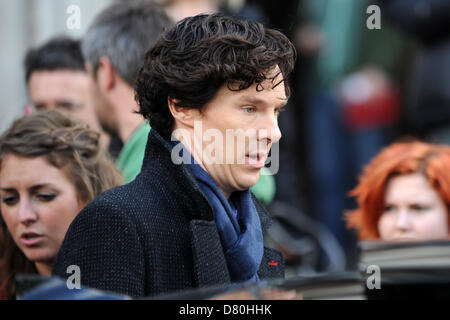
[413,211]
[38,203]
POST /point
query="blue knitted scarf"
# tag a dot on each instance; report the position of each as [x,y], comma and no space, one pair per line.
[238,225]
[237,222]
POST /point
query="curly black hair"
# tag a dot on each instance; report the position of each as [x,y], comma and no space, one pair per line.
[199,55]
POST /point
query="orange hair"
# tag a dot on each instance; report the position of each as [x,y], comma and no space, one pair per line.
[433,161]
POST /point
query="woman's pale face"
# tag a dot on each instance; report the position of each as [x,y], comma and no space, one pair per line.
[413,211]
[38,203]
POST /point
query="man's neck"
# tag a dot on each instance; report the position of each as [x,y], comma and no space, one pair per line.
[195,149]
[128,125]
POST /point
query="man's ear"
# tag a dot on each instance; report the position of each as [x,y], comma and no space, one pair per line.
[183,115]
[106,75]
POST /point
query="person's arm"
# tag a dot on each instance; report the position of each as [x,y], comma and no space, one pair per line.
[104,244]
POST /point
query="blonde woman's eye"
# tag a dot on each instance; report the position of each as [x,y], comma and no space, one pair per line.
[249,109]
[46,197]
[9,200]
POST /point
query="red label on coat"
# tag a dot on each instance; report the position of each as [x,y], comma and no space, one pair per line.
[273,263]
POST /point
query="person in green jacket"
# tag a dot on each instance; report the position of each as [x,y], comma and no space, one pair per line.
[114,48]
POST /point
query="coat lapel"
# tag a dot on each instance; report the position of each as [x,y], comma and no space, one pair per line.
[210,267]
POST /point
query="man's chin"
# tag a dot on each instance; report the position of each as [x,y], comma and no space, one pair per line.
[249,180]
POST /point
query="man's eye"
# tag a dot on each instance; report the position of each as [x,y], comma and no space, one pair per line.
[40,106]
[70,106]
[249,109]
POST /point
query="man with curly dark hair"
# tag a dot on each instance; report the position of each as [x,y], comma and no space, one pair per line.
[189,219]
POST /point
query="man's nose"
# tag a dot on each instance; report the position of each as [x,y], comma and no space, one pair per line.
[269,128]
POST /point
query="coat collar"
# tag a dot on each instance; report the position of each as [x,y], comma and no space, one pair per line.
[158,159]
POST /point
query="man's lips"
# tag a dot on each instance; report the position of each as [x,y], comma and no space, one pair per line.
[30,238]
[256,160]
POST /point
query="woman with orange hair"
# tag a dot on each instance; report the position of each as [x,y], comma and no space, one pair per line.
[404,194]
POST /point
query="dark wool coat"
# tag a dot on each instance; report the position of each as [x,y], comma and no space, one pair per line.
[154,235]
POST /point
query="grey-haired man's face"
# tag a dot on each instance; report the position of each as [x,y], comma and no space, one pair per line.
[102,106]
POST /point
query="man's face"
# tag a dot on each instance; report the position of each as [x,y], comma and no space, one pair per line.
[237,132]
[103,108]
[67,90]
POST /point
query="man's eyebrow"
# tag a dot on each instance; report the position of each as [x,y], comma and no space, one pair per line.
[255,100]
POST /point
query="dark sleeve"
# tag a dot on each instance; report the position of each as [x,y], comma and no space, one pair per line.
[104,244]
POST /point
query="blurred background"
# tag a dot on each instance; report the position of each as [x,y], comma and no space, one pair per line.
[368,73]
[25,24]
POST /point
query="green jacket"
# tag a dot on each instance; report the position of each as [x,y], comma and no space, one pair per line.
[131,156]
